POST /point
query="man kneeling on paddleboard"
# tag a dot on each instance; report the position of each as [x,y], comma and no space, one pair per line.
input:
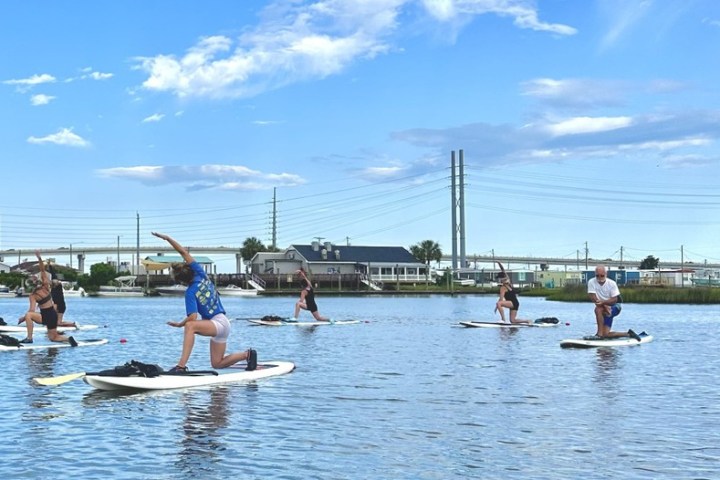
[205,314]
[605,294]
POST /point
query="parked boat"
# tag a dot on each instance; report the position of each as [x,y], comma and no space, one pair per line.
[235,291]
[173,290]
[124,287]
[69,290]
[5,292]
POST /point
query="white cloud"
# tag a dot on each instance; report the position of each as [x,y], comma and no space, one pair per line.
[308,40]
[64,137]
[40,99]
[523,13]
[622,16]
[211,176]
[155,117]
[579,125]
[100,76]
[575,92]
[25,84]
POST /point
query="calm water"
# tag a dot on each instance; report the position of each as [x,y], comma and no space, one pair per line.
[406,395]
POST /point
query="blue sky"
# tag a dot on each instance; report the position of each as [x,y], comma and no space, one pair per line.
[593,121]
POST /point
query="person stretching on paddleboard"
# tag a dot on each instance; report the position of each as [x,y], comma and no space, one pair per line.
[42,298]
[605,294]
[508,299]
[205,314]
[58,298]
[307,299]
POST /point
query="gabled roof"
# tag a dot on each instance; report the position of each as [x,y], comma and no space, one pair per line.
[357,254]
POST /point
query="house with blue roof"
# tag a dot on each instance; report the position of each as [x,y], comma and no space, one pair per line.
[377,264]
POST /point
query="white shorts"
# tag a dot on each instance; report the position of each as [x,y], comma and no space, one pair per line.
[222,327]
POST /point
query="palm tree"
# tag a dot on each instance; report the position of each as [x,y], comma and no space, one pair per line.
[427,251]
[250,247]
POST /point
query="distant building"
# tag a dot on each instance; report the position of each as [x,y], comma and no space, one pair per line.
[159,263]
[378,264]
[4,268]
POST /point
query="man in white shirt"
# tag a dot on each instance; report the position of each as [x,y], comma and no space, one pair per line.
[605,294]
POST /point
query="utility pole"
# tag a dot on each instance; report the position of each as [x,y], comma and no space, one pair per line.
[453,212]
[274,219]
[682,267]
[461,201]
[137,247]
[586,256]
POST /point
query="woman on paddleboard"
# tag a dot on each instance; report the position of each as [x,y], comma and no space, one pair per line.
[42,298]
[307,299]
[205,314]
[508,299]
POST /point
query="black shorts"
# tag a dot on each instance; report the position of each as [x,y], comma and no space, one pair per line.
[49,318]
[60,307]
[311,305]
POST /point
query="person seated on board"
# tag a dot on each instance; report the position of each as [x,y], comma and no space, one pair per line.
[41,297]
[508,299]
[307,300]
[205,314]
[605,294]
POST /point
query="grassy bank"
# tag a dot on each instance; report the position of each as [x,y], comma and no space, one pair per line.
[635,294]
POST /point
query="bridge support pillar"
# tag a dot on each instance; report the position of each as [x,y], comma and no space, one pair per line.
[81,262]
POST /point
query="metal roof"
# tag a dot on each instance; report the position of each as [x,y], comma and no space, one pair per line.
[357,254]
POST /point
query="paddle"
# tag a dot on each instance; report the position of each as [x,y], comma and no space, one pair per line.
[60,380]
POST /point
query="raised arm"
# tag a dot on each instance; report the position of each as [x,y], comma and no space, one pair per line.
[41,265]
[178,248]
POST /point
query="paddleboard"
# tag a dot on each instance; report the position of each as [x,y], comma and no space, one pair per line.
[591,342]
[45,346]
[233,374]
[282,323]
[505,325]
[21,328]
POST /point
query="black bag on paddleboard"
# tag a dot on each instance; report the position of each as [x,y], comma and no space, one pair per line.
[2,322]
[9,341]
[547,320]
[271,318]
[133,368]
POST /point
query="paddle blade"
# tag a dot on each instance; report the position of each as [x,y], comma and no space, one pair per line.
[59,380]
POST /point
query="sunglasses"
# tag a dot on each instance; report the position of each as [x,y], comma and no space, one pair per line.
[600,276]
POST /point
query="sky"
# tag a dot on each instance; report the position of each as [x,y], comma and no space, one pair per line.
[583,124]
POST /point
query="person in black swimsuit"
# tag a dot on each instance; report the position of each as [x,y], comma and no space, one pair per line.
[58,298]
[41,297]
[508,299]
[307,299]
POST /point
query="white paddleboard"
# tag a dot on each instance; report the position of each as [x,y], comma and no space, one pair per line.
[282,323]
[45,346]
[587,342]
[474,324]
[169,382]
[21,328]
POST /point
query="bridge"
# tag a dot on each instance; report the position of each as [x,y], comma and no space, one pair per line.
[510,262]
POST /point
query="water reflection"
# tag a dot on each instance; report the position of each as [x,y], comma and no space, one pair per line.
[203,439]
[42,363]
[606,368]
